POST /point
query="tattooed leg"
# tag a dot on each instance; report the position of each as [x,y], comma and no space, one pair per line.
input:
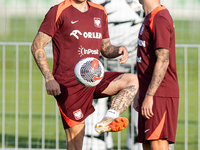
[118,78]
[123,99]
[120,102]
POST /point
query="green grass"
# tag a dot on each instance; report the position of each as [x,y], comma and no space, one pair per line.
[22,30]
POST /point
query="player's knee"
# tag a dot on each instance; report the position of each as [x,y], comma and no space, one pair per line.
[159,145]
[125,81]
[132,80]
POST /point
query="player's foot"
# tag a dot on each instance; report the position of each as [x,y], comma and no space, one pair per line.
[111,125]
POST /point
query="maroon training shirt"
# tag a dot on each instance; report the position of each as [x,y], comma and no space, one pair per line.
[75,35]
[157,31]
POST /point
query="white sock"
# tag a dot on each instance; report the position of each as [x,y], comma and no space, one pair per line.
[111,113]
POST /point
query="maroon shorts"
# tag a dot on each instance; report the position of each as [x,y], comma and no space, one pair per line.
[164,122]
[75,102]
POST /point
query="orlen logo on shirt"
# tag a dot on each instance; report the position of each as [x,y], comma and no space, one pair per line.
[141,43]
[89,35]
[82,51]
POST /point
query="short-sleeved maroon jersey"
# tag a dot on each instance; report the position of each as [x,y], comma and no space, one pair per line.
[75,35]
[157,31]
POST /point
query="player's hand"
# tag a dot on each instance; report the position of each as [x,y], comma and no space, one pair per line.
[52,87]
[123,51]
[146,108]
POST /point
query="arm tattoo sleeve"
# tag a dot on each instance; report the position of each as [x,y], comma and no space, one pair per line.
[159,70]
[108,50]
[37,49]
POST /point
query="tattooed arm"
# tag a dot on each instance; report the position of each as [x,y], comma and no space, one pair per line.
[157,77]
[111,51]
[159,70]
[37,49]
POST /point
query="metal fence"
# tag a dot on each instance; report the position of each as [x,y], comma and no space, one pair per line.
[185,49]
[15,52]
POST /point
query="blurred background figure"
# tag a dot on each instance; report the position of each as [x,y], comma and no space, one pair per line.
[124,21]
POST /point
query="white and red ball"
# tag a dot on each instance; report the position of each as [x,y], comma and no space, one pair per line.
[89,71]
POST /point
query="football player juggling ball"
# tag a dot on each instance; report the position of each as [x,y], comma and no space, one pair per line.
[79,29]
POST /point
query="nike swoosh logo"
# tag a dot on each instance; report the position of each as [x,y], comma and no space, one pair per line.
[146,130]
[95,78]
[73,22]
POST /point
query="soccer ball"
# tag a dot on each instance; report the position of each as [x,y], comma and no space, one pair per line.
[89,71]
